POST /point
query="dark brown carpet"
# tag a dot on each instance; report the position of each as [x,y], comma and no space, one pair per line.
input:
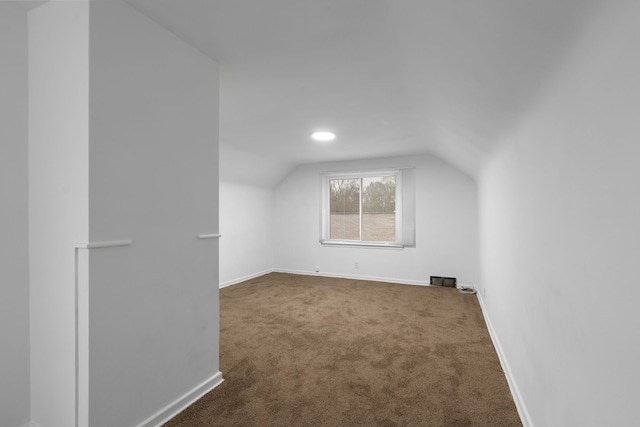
[313,351]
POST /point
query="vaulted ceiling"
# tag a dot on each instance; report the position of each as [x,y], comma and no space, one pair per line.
[389,77]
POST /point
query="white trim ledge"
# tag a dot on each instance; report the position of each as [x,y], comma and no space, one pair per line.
[180,404]
[103,244]
[209,236]
[515,391]
[244,278]
[343,243]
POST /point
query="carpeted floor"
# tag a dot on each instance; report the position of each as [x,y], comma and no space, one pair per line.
[313,351]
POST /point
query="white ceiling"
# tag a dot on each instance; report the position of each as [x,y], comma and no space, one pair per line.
[389,77]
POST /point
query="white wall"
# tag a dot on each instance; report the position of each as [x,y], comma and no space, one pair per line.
[446,226]
[153,306]
[560,235]
[123,137]
[252,168]
[246,224]
[14,274]
[58,199]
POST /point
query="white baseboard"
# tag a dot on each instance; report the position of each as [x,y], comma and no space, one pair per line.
[515,391]
[244,278]
[323,274]
[353,276]
[180,404]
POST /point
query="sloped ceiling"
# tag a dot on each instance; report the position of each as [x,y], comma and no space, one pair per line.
[389,77]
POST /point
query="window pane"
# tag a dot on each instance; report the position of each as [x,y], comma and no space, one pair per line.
[344,207]
[379,209]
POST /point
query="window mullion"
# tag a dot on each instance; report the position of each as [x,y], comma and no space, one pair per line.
[360,193]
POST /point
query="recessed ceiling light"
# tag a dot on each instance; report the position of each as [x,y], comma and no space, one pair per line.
[323,136]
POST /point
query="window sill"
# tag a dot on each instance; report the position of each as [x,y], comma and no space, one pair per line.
[357,244]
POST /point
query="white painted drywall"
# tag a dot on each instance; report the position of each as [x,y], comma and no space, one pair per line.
[560,234]
[446,226]
[14,273]
[246,224]
[251,168]
[58,199]
[153,306]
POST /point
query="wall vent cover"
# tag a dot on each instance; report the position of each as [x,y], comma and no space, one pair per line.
[447,282]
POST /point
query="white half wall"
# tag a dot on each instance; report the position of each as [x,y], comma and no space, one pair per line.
[246,224]
[153,306]
[14,273]
[446,226]
[560,235]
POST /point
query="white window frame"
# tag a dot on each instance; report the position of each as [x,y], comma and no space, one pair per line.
[325,216]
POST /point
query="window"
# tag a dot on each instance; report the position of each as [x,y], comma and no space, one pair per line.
[367,209]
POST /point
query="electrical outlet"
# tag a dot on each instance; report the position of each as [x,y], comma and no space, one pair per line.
[317,269]
[356,265]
